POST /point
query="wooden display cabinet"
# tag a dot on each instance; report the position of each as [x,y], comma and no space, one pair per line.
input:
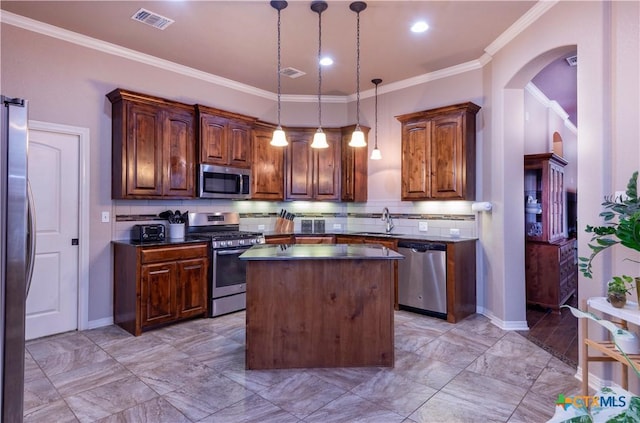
[544,197]
[551,272]
[159,284]
[551,269]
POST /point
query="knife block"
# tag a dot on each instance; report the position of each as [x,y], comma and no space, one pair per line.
[283,226]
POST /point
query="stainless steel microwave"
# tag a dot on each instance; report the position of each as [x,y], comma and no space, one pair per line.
[224,182]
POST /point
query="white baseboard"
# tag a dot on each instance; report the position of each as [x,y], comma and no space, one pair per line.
[504,324]
[92,324]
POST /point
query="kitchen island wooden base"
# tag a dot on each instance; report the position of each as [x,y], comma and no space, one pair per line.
[319,313]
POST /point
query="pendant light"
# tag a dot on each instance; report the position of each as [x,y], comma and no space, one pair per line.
[375,154]
[319,138]
[357,138]
[279,137]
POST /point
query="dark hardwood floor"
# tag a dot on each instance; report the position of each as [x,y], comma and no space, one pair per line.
[555,332]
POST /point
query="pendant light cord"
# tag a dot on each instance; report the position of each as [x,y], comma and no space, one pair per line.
[279,87]
[376,117]
[319,68]
[358,70]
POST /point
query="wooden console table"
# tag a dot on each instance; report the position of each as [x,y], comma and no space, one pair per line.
[628,314]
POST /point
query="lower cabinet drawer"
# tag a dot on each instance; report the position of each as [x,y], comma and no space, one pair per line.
[150,255]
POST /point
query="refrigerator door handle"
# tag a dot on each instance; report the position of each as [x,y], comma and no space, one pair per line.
[31,222]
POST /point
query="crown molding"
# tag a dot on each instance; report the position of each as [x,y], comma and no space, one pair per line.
[539,9]
[553,105]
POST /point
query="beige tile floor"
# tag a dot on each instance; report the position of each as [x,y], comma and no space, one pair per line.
[194,372]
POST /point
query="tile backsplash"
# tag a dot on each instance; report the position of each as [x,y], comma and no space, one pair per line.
[440,217]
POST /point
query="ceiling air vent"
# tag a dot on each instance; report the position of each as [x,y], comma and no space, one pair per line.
[153,19]
[572,60]
[292,73]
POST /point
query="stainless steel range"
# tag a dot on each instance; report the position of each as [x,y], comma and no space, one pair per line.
[227,287]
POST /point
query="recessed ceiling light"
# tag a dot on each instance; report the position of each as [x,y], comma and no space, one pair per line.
[326,61]
[421,26]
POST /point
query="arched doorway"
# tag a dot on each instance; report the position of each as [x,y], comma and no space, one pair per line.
[547,327]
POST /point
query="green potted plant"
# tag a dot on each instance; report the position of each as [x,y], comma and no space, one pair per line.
[621,227]
[617,289]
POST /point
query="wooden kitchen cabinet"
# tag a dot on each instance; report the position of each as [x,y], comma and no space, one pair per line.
[224,137]
[279,239]
[267,168]
[544,196]
[389,243]
[312,174]
[551,272]
[354,164]
[159,284]
[314,239]
[438,153]
[153,147]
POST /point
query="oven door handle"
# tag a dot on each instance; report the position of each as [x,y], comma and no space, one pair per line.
[231,252]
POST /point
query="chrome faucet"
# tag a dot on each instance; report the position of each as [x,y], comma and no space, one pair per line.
[386,217]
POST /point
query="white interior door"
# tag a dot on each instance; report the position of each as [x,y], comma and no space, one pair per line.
[52,303]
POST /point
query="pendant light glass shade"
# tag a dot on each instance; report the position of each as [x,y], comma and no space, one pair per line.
[357,138]
[375,154]
[279,137]
[319,138]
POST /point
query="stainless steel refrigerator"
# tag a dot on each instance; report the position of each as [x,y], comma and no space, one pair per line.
[17,249]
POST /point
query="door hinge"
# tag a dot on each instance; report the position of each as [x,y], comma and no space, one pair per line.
[74,241]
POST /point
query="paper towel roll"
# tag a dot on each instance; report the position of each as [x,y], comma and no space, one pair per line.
[482,206]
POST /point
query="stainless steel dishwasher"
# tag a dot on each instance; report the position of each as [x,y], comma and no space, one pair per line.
[422,278]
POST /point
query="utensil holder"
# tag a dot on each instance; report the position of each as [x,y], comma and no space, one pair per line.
[176,230]
[283,226]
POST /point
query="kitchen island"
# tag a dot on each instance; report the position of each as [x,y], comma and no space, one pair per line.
[319,306]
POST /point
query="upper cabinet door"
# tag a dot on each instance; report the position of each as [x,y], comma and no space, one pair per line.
[326,162]
[143,150]
[179,180]
[213,139]
[354,164]
[224,137]
[447,158]
[416,160]
[267,169]
[299,166]
[239,141]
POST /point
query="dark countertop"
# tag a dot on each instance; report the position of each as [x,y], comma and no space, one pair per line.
[320,252]
[168,241]
[399,237]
